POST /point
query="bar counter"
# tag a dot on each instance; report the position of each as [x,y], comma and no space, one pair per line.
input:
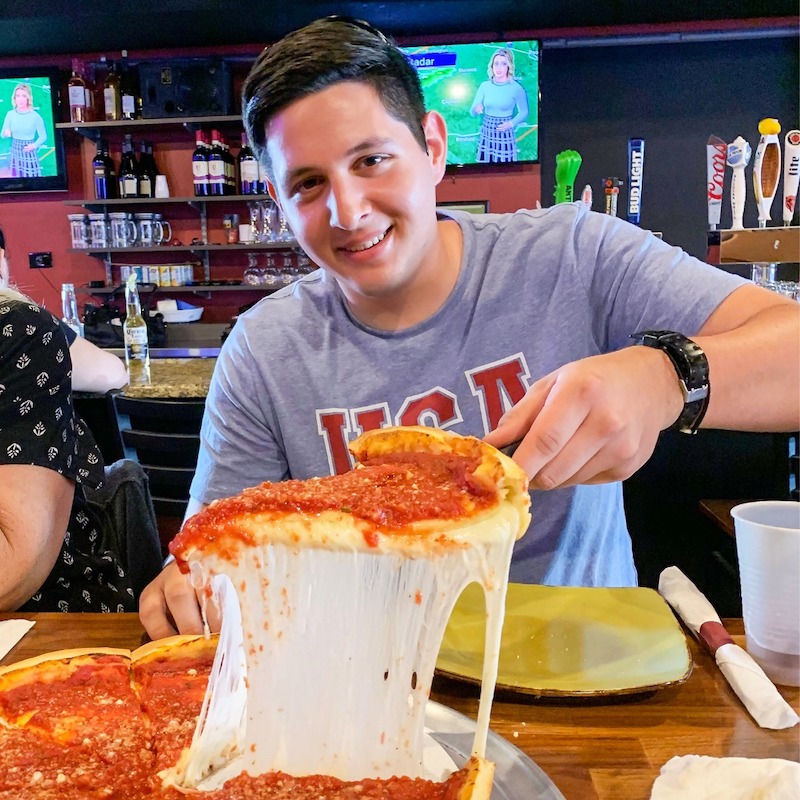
[175,379]
[599,750]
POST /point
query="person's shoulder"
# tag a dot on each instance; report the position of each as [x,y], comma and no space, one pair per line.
[19,308]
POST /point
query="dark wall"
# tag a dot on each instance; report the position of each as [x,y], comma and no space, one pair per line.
[674,96]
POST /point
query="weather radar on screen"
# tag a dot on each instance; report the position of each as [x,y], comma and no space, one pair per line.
[488,93]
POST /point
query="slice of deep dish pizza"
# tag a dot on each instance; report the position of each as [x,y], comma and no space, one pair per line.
[335,593]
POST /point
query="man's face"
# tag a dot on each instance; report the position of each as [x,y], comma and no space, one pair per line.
[358,190]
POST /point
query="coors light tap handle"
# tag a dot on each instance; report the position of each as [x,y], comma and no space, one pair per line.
[635,179]
[568,162]
[791,174]
[716,152]
[739,152]
[766,168]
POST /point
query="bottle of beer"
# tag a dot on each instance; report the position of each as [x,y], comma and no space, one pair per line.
[128,171]
[200,165]
[105,177]
[248,169]
[69,307]
[134,330]
[112,99]
[78,93]
[147,170]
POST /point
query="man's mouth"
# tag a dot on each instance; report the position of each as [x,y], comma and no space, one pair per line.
[368,244]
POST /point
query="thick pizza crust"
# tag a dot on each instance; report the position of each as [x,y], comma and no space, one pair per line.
[174,647]
[30,669]
[478,783]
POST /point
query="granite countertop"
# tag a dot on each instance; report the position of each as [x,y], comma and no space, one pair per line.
[175,379]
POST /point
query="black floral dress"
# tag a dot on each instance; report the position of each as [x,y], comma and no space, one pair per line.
[38,426]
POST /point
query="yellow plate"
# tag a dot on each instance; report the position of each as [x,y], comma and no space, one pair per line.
[565,641]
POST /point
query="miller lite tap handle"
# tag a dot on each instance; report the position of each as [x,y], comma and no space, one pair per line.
[611,188]
[767,168]
[568,162]
[739,152]
[635,179]
[791,174]
[716,153]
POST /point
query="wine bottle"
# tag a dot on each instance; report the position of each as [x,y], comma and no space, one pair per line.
[216,166]
[105,178]
[128,171]
[147,170]
[200,165]
[112,101]
[134,331]
[248,169]
[262,179]
[69,308]
[129,96]
[77,91]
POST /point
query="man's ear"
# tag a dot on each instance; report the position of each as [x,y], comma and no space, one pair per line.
[435,129]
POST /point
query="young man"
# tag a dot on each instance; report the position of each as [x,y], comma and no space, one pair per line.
[499,326]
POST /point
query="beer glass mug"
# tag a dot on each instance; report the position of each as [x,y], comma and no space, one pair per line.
[162,230]
[98,227]
[78,230]
[123,230]
[146,230]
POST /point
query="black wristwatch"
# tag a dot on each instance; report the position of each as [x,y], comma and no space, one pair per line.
[691,364]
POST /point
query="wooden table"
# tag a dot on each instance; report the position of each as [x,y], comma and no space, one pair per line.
[599,751]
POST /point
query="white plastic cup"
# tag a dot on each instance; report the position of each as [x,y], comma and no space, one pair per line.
[162,187]
[768,546]
[246,233]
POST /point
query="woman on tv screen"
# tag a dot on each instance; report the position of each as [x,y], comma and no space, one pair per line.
[26,128]
[504,104]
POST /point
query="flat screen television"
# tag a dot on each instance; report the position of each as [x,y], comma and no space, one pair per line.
[488,93]
[31,149]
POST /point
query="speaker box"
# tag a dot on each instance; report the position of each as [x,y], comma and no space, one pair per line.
[190,87]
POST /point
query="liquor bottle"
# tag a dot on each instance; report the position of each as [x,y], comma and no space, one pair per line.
[129,96]
[69,307]
[230,169]
[216,166]
[147,171]
[112,101]
[105,177]
[128,174]
[200,165]
[248,169]
[134,331]
[78,93]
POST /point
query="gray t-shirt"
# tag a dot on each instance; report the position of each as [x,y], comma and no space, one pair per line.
[299,376]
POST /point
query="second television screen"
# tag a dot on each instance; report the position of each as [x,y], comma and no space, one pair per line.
[488,94]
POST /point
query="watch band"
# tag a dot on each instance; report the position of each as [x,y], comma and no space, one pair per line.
[691,365]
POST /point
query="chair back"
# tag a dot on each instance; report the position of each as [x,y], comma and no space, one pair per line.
[164,437]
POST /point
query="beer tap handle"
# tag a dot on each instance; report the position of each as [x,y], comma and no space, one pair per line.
[739,152]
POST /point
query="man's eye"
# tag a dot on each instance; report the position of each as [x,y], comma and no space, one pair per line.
[306,185]
[374,160]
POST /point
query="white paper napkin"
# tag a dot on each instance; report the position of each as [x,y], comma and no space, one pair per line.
[11,631]
[753,687]
[706,778]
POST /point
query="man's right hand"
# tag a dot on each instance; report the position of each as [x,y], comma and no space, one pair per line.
[169,605]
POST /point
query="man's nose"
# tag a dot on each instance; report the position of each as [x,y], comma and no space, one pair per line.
[347,205]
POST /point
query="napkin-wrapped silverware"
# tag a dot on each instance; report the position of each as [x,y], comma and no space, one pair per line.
[753,687]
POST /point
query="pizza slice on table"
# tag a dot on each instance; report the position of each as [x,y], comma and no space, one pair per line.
[335,593]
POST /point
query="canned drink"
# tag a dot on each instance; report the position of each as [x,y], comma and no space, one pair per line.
[124,273]
[188,274]
[176,275]
[165,279]
[152,275]
[140,273]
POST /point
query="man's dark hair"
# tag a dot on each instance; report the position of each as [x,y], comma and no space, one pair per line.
[2,240]
[324,53]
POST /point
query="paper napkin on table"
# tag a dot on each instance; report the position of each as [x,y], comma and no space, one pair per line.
[11,631]
[706,778]
[753,687]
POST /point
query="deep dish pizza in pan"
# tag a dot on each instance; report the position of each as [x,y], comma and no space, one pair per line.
[334,595]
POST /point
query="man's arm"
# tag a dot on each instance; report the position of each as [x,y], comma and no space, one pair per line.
[598,419]
[35,504]
[169,604]
[94,369]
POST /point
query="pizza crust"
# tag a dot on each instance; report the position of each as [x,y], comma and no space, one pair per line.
[174,647]
[26,670]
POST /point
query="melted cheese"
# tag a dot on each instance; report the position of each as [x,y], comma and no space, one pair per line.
[327,650]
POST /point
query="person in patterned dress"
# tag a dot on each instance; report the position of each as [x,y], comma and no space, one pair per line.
[51,545]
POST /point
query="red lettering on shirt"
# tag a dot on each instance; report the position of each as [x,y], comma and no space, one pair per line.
[334,427]
[499,386]
[436,408]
